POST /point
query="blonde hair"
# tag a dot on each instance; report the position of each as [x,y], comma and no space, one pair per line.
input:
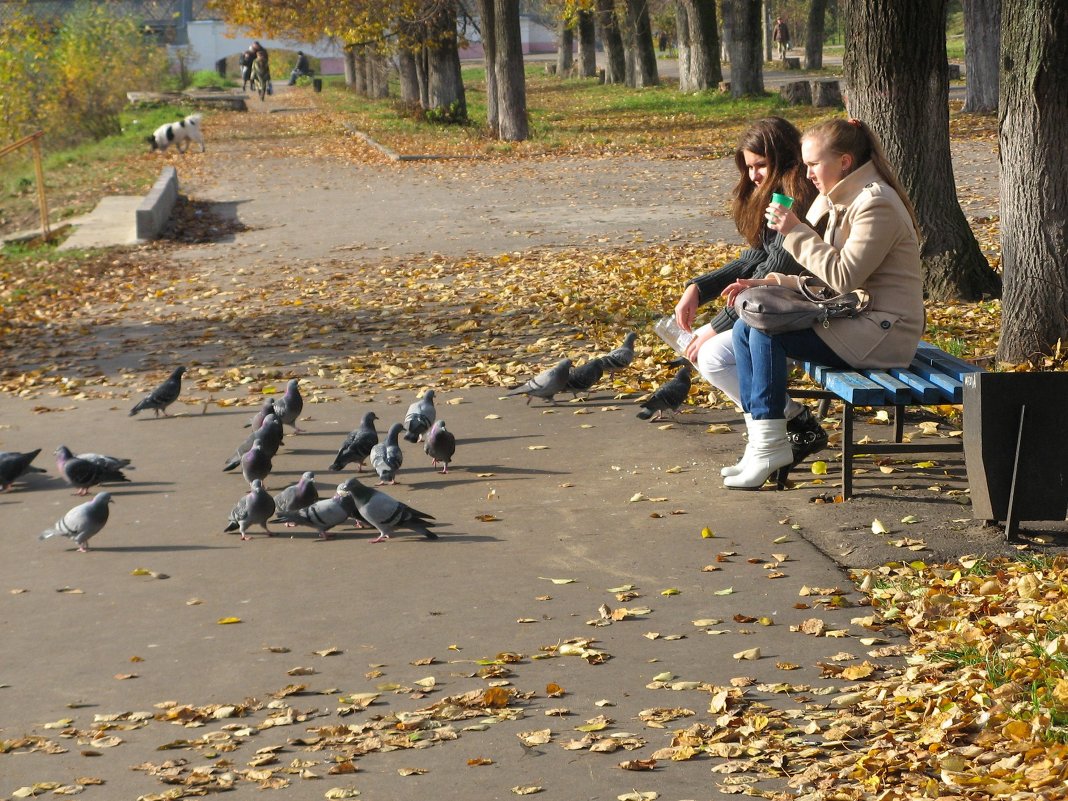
[855,138]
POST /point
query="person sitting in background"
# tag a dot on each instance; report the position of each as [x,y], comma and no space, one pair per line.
[302,68]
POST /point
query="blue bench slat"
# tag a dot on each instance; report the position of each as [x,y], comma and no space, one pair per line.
[854,388]
[922,390]
[896,391]
[947,363]
[952,389]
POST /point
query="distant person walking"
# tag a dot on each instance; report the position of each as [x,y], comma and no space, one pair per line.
[263,62]
[781,36]
[245,60]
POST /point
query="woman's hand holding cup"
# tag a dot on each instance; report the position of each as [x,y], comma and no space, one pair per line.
[778,214]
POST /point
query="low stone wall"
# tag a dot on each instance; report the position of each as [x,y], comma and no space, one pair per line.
[157,205]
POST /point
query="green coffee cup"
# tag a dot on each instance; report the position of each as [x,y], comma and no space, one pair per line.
[783,200]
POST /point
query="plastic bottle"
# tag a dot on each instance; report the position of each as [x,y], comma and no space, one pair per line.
[668,330]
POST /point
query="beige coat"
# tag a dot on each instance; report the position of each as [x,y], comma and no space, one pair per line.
[870,244]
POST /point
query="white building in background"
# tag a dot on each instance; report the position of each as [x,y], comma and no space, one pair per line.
[535,36]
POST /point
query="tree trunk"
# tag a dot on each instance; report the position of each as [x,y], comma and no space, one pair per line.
[747,62]
[359,63]
[409,78]
[511,80]
[906,101]
[817,13]
[487,21]
[587,45]
[641,43]
[377,76]
[982,45]
[727,10]
[615,59]
[422,71]
[349,54]
[1033,117]
[697,29]
[445,86]
[565,42]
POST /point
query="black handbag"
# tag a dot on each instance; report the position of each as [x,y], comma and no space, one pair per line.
[776,309]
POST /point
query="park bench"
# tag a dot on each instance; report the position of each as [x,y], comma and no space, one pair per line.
[934,377]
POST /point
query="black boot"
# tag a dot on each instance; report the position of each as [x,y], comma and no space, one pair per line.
[806,437]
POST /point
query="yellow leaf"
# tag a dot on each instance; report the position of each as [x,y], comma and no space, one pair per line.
[671,591]
[226,621]
[819,468]
[877,527]
[558,581]
[727,591]
[749,653]
[706,533]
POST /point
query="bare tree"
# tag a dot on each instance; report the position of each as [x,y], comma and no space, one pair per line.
[982,45]
[817,12]
[1033,118]
[698,38]
[747,61]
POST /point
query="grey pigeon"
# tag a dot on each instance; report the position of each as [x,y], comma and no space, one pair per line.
[386,457]
[257,419]
[322,515]
[583,377]
[547,383]
[162,396]
[440,445]
[621,357]
[385,513]
[269,435]
[297,496]
[14,464]
[85,473]
[82,522]
[420,417]
[107,462]
[256,464]
[254,509]
[357,445]
[290,405]
[669,396]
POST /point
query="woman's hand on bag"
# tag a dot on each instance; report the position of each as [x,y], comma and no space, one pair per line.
[686,308]
[780,218]
[732,290]
[698,341]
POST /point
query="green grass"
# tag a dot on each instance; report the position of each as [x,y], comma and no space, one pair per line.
[210,79]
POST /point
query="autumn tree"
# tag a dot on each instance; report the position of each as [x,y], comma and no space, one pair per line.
[698,39]
[639,43]
[565,45]
[906,100]
[615,57]
[747,59]
[587,44]
[982,45]
[1033,117]
[511,79]
[817,13]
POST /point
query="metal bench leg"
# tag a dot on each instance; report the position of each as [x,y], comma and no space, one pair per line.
[1012,522]
[847,450]
[899,423]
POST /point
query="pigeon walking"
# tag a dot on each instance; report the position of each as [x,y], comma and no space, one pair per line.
[357,445]
[322,515]
[256,464]
[386,457]
[385,513]
[547,383]
[254,509]
[162,396]
[107,462]
[420,417]
[85,473]
[13,465]
[297,496]
[257,419]
[621,357]
[583,377]
[440,445]
[82,522]
[269,435]
[290,405]
[669,396]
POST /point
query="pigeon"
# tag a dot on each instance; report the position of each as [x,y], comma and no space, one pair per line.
[357,445]
[545,384]
[669,396]
[440,445]
[14,464]
[385,513]
[257,419]
[269,435]
[254,509]
[106,462]
[386,457]
[256,464]
[85,473]
[621,357]
[162,396]
[322,515]
[82,522]
[290,405]
[297,496]
[420,417]
[582,378]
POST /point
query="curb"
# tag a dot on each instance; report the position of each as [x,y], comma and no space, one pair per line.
[156,208]
[392,155]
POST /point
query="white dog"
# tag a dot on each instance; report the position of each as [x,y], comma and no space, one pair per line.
[179,133]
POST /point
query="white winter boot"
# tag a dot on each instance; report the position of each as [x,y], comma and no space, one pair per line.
[739,466]
[769,450]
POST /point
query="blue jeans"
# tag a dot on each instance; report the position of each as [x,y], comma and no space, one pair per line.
[762,370]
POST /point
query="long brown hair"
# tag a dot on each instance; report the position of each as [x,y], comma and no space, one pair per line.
[854,137]
[778,141]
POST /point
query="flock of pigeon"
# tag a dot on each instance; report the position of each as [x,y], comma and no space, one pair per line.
[300,504]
